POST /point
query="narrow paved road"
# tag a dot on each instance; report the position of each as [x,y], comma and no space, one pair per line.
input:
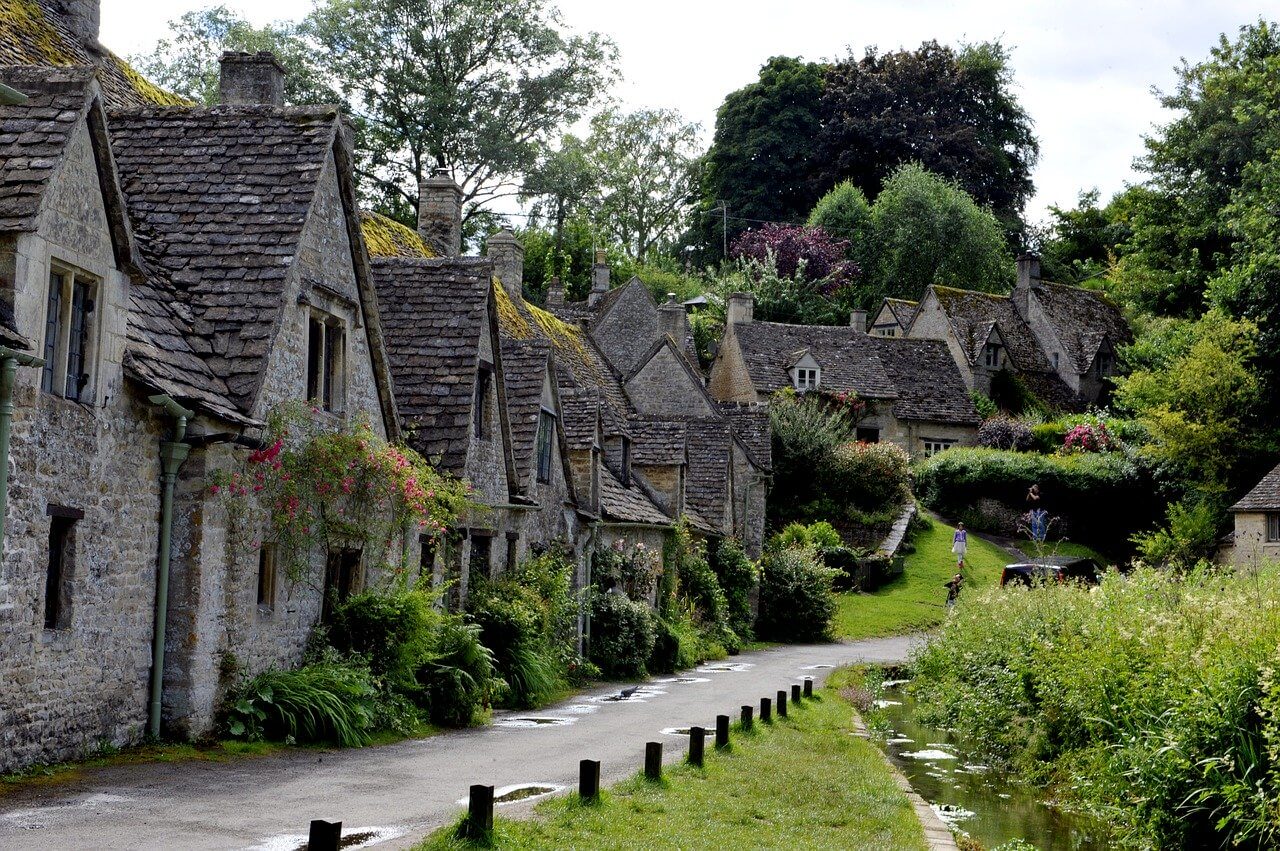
[404,790]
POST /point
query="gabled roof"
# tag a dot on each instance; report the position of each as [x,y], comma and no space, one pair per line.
[385,237]
[1265,496]
[929,386]
[848,358]
[524,366]
[902,309]
[707,481]
[34,32]
[219,198]
[580,410]
[972,315]
[627,504]
[34,135]
[657,443]
[433,313]
[750,421]
[1082,319]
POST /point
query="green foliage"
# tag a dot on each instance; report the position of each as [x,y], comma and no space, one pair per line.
[390,631]
[1004,432]
[1189,537]
[778,297]
[632,569]
[819,535]
[622,635]
[1150,701]
[867,476]
[796,598]
[323,702]
[1012,395]
[1078,245]
[986,407]
[459,677]
[806,433]
[738,576]
[845,214]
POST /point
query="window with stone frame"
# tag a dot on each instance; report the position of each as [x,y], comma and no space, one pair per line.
[807,378]
[546,441]
[60,566]
[480,565]
[480,407]
[626,461]
[1273,528]
[267,578]
[991,355]
[934,445]
[326,361]
[867,434]
[1104,363]
[70,334]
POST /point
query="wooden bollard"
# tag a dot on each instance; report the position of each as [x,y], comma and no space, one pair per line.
[766,710]
[697,742]
[324,835]
[480,812]
[782,704]
[795,693]
[808,687]
[747,712]
[653,760]
[722,732]
[589,779]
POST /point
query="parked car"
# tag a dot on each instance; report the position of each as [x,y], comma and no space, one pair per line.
[1085,571]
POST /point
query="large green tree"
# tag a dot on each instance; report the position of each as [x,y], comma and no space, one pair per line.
[954,112]
[1080,243]
[762,157]
[560,187]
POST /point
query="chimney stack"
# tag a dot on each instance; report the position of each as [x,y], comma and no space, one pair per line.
[740,309]
[673,320]
[1028,271]
[599,278]
[858,320]
[250,79]
[507,255]
[440,213]
[83,17]
[555,292]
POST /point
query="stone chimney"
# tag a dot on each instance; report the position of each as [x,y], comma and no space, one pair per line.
[672,320]
[82,17]
[251,79]
[740,309]
[1028,280]
[858,320]
[507,255]
[599,278]
[555,292]
[440,213]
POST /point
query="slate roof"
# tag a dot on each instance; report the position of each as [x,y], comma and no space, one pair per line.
[524,366]
[751,424]
[657,443]
[33,136]
[1265,496]
[1082,319]
[707,480]
[973,314]
[627,504]
[929,385]
[847,356]
[433,313]
[34,32]
[578,410]
[903,310]
[218,198]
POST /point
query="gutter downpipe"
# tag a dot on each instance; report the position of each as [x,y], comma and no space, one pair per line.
[172,454]
[10,360]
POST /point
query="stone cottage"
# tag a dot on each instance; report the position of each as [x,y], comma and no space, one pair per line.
[1256,536]
[1061,341]
[914,394]
[894,317]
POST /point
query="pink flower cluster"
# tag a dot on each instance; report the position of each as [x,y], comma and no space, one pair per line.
[1087,437]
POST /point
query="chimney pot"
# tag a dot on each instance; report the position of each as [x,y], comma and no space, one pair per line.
[440,213]
[740,309]
[555,292]
[250,79]
[674,320]
[1028,270]
[599,278]
[507,254]
[858,320]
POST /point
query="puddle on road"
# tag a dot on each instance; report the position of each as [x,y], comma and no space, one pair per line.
[684,731]
[579,709]
[529,721]
[356,837]
[518,792]
[683,680]
[725,668]
[815,667]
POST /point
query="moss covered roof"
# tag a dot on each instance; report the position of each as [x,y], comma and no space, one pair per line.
[385,237]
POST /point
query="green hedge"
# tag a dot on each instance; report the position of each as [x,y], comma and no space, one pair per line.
[1102,497]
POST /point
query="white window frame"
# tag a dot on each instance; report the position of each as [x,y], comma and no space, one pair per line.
[57,352]
[934,445]
[807,378]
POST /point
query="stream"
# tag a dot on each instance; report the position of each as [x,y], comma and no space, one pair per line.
[990,807]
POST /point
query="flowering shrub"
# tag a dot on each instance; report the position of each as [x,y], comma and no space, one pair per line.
[1088,437]
[632,568]
[797,251]
[1002,432]
[336,487]
[846,402]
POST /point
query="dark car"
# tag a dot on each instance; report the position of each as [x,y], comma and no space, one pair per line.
[1085,571]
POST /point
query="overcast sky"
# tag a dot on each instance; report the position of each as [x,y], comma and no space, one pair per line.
[1083,69]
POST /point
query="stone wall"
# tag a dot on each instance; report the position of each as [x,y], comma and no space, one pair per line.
[1251,547]
[730,380]
[663,387]
[931,323]
[630,328]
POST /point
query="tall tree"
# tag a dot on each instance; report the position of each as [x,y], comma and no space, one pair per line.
[953,112]
[1079,244]
[558,189]
[762,156]
[646,161]
[845,215]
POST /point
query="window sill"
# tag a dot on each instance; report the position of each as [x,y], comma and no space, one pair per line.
[58,639]
[266,611]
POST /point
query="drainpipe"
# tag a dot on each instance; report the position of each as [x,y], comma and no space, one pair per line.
[10,360]
[172,454]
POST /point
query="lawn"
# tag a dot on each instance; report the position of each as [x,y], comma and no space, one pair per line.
[917,599]
[800,782]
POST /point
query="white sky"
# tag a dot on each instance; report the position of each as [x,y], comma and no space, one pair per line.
[1083,69]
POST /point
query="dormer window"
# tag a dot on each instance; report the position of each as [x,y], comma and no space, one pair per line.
[991,355]
[1104,363]
[326,361]
[70,339]
[807,379]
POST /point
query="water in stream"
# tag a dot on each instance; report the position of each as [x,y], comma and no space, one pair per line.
[990,807]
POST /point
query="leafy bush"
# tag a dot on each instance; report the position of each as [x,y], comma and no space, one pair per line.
[869,476]
[796,598]
[986,407]
[806,432]
[1011,394]
[678,644]
[459,677]
[1003,432]
[739,577]
[1047,437]
[622,635]
[632,569]
[391,631]
[326,702]
[1189,536]
[820,536]
[511,625]
[1152,700]
[1087,437]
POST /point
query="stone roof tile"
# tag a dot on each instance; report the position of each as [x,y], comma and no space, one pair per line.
[707,481]
[627,504]
[929,386]
[524,367]
[750,421]
[1265,496]
[1082,319]
[973,314]
[657,442]
[847,357]
[33,136]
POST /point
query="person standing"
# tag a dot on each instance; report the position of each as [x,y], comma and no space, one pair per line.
[960,544]
[953,590]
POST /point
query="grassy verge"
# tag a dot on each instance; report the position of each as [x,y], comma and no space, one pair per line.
[1065,548]
[800,782]
[917,599]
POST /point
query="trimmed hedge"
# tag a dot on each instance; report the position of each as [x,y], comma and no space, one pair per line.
[1102,497]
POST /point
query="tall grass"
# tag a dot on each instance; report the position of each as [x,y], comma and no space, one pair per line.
[1150,701]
